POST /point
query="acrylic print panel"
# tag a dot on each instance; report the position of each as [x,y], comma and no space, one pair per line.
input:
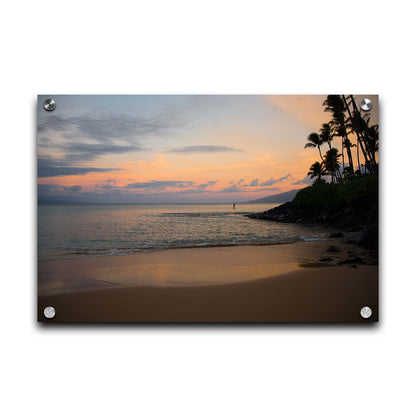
[208,208]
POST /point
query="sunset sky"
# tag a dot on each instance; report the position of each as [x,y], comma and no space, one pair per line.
[104,149]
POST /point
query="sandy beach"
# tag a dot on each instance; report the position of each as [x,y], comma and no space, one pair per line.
[279,283]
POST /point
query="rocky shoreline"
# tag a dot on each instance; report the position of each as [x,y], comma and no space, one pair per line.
[362,219]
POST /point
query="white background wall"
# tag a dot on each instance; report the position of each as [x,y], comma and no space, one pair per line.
[207,47]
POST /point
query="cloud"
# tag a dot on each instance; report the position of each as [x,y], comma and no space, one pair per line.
[106,125]
[235,189]
[86,137]
[109,184]
[272,181]
[232,189]
[305,181]
[47,187]
[51,188]
[159,185]
[269,182]
[89,151]
[154,185]
[51,167]
[203,149]
[74,194]
[283,178]
[206,185]
[75,188]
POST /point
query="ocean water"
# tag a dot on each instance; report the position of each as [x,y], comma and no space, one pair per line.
[70,231]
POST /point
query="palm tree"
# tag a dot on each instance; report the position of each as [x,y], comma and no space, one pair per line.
[336,105]
[373,139]
[354,127]
[325,134]
[315,141]
[368,136]
[357,125]
[331,162]
[317,170]
[372,144]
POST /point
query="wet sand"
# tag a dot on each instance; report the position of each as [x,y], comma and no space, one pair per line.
[218,284]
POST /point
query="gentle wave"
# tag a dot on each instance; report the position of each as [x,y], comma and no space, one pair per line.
[303,238]
[91,231]
[83,254]
[199,214]
[102,253]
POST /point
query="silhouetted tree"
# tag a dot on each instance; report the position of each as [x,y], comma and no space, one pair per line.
[367,134]
[355,124]
[314,140]
[372,144]
[335,105]
[331,162]
[347,121]
[373,139]
[325,134]
[317,170]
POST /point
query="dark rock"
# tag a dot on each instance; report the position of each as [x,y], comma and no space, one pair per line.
[359,215]
[354,266]
[354,260]
[333,249]
[370,237]
[326,259]
[350,218]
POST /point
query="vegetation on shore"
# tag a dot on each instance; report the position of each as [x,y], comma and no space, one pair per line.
[351,206]
[358,191]
[354,130]
[350,200]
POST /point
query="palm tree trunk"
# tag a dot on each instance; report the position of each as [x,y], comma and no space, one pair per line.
[359,144]
[338,175]
[369,160]
[320,154]
[349,154]
[357,131]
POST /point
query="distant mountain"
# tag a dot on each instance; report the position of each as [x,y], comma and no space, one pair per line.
[278,198]
[59,202]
